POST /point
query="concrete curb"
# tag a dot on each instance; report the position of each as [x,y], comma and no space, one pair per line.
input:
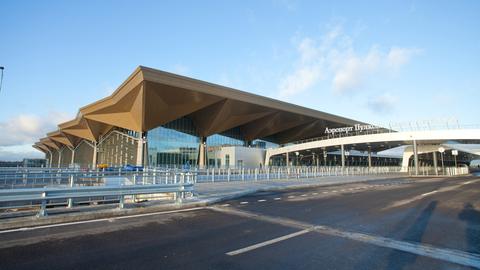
[25,222]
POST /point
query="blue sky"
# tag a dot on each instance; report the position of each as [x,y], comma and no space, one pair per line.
[375,61]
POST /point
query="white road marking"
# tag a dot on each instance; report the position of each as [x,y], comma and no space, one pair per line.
[278,198]
[291,196]
[243,202]
[224,205]
[315,193]
[99,220]
[334,191]
[429,193]
[303,195]
[444,254]
[266,243]
[325,192]
[261,200]
[421,196]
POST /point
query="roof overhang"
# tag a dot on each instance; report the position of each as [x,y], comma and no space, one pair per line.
[150,98]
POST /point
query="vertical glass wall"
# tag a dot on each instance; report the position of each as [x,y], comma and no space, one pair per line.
[173,145]
[214,142]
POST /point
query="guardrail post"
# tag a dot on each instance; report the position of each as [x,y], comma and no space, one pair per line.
[121,202]
[43,206]
[70,200]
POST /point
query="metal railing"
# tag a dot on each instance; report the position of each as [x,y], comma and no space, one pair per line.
[37,178]
[42,196]
[446,171]
[277,173]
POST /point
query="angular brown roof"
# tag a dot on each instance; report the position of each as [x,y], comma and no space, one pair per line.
[150,98]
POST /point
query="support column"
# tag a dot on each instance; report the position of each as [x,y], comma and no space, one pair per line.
[202,152]
[73,156]
[287,164]
[140,149]
[324,157]
[435,162]
[59,157]
[415,156]
[343,155]
[49,159]
[369,157]
[94,158]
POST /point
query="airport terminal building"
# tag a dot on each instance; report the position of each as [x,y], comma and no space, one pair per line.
[160,119]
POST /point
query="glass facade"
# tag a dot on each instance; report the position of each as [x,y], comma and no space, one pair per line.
[176,144]
[173,144]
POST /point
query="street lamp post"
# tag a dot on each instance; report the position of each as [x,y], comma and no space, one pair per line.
[1,77]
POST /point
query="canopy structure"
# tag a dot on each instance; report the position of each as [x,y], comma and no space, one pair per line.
[151,98]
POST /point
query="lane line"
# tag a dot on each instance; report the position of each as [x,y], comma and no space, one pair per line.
[243,202]
[291,196]
[426,250]
[99,220]
[422,196]
[262,200]
[227,204]
[267,243]
[429,193]
[315,193]
[303,195]
[278,198]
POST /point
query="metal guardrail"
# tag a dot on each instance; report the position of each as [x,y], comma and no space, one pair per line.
[35,178]
[45,194]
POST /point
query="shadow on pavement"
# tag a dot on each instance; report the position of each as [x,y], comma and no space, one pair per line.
[398,259]
[472,232]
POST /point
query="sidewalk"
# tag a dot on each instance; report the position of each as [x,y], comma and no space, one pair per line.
[205,194]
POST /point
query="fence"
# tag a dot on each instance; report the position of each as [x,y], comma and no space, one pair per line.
[275,173]
[446,171]
[42,196]
[63,177]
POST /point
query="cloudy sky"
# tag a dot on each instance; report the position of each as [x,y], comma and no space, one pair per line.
[375,61]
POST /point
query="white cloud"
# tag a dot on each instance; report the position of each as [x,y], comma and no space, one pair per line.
[302,79]
[384,103]
[28,128]
[397,57]
[19,152]
[333,57]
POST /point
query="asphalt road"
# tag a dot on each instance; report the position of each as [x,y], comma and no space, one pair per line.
[431,223]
